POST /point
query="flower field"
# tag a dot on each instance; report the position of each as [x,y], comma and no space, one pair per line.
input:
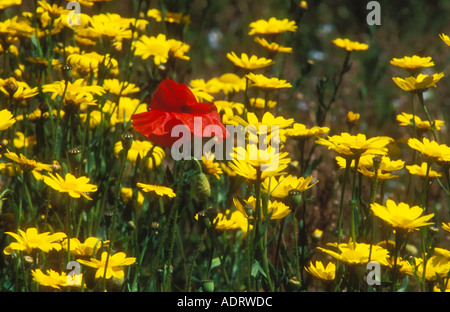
[224,146]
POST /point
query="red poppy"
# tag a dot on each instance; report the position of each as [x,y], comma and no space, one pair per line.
[174,104]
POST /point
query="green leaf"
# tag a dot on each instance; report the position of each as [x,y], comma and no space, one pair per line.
[256,268]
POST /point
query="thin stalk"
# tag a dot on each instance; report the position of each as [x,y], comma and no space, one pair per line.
[341,204]
[432,125]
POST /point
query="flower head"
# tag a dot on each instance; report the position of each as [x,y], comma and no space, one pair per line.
[6,119]
[300,132]
[145,150]
[272,46]
[353,253]
[405,119]
[211,166]
[417,84]
[115,264]
[30,239]
[77,93]
[352,146]
[272,26]
[174,104]
[430,149]
[281,187]
[75,187]
[30,165]
[401,216]
[318,270]
[349,45]
[411,63]
[158,189]
[247,161]
[56,280]
[276,210]
[160,48]
[423,171]
[267,83]
[88,248]
[249,63]
[445,38]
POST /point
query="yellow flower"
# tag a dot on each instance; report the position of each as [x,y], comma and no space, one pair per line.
[116,87]
[249,63]
[437,264]
[110,25]
[430,149]
[300,132]
[272,26]
[272,46]
[246,162]
[177,49]
[6,119]
[353,253]
[23,91]
[211,166]
[280,188]
[88,248]
[267,120]
[386,167]
[78,93]
[169,17]
[159,190]
[405,119]
[352,119]
[401,216]
[278,210]
[72,185]
[446,227]
[160,48]
[261,103]
[56,280]
[412,63]
[267,83]
[352,146]
[349,45]
[231,221]
[124,110]
[7,3]
[419,84]
[227,83]
[21,142]
[127,195]
[91,62]
[31,239]
[229,108]
[326,273]
[421,171]
[145,150]
[29,164]
[445,38]
[115,264]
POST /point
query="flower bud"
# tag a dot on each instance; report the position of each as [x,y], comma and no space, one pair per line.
[11,86]
[74,156]
[127,140]
[202,189]
[208,285]
[66,70]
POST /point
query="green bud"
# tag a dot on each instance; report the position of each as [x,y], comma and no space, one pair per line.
[208,285]
[295,198]
[74,156]
[202,189]
[66,70]
[127,140]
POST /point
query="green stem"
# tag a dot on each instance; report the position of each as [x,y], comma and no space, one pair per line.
[432,125]
[262,237]
[341,204]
